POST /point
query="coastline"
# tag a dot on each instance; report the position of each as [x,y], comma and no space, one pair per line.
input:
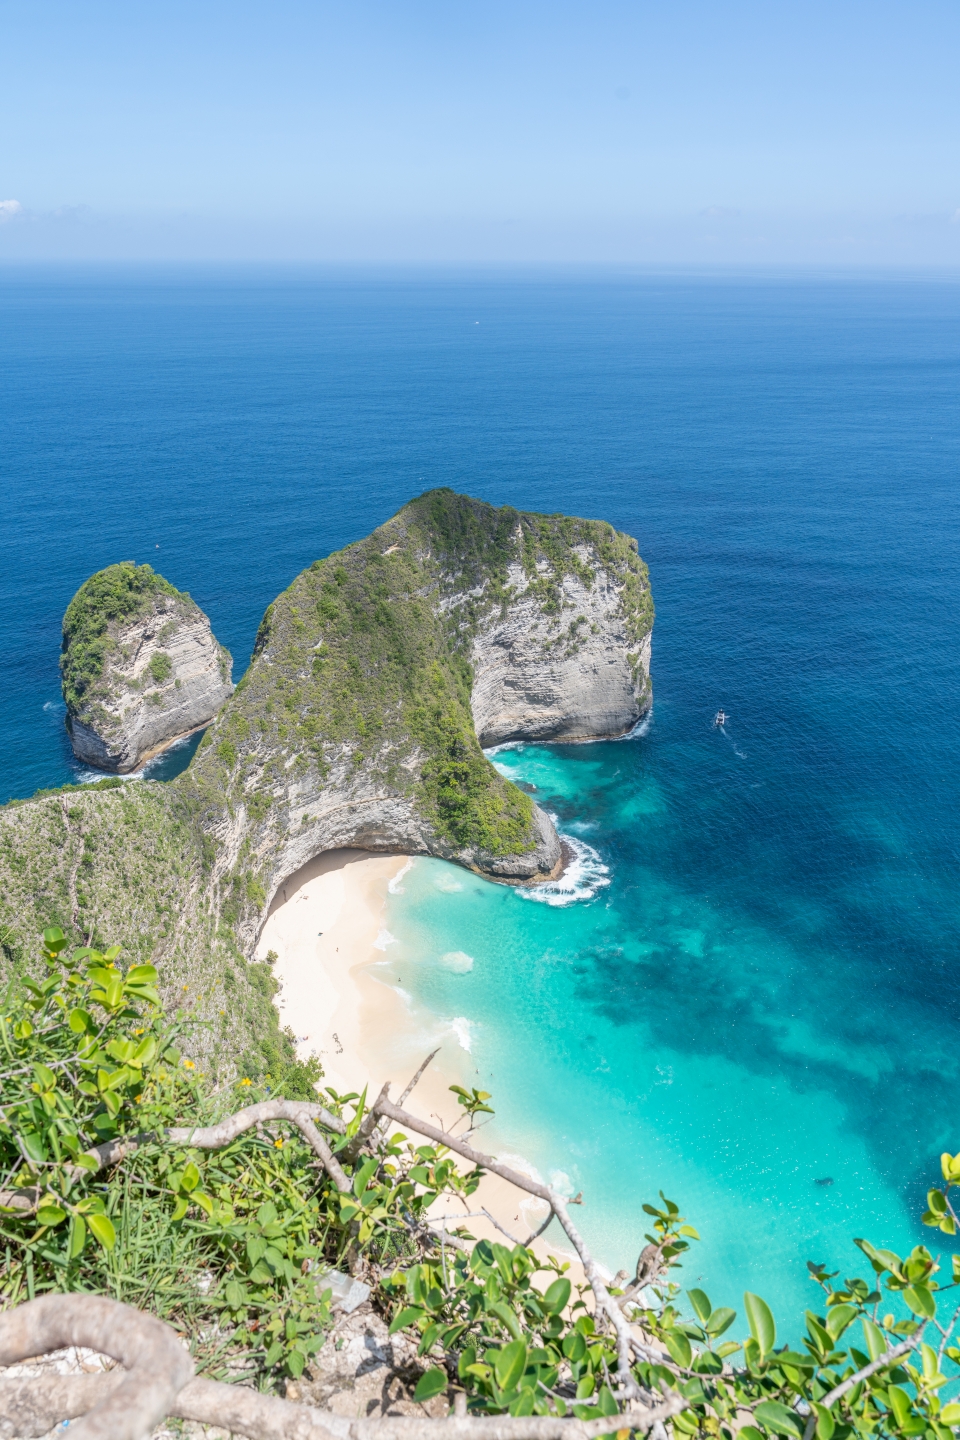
[326,927]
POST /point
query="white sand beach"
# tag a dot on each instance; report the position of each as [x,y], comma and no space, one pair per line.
[324,926]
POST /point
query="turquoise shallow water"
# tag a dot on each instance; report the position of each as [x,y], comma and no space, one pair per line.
[766,992]
[640,1033]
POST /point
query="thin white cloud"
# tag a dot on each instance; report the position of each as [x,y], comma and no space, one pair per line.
[8,209]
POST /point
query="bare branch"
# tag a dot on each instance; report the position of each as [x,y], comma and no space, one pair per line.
[416,1079]
[49,1399]
[214,1137]
[158,1364]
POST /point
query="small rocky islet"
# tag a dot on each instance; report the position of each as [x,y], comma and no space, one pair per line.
[376,678]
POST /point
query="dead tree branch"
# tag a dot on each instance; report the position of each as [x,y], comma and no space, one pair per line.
[158,1366]
[32,1407]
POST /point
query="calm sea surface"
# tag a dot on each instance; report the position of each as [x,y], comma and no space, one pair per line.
[748,993]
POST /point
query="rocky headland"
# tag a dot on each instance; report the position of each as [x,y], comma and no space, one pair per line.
[376,676]
[140,667]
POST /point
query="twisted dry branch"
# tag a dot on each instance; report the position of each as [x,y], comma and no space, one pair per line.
[302,1113]
[32,1407]
[157,1365]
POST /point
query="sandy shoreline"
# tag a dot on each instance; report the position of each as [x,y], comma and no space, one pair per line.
[324,926]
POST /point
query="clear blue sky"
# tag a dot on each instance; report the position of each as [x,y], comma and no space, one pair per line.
[397,130]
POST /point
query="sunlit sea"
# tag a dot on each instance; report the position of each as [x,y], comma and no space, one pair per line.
[745,991]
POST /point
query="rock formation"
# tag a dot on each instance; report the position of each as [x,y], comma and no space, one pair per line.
[356,724]
[140,667]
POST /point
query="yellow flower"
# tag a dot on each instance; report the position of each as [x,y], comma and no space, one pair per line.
[140,1031]
[245,1081]
[188,1064]
[279,1143]
[186,987]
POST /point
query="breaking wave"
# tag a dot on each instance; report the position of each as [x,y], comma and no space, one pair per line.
[583,875]
[394,887]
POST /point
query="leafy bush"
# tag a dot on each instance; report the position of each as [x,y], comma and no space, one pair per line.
[114,595]
[161,666]
[230,1240]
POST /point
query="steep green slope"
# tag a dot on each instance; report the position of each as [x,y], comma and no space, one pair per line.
[353,726]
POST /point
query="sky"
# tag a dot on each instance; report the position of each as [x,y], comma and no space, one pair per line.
[398,131]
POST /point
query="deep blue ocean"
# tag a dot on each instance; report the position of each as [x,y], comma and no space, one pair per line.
[751,999]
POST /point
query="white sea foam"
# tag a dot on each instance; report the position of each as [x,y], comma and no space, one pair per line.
[641,728]
[460,1026]
[458,961]
[507,745]
[583,876]
[54,705]
[395,888]
[383,940]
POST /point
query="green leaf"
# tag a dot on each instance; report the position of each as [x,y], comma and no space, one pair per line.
[876,1344]
[761,1322]
[899,1402]
[950,1414]
[509,1364]
[433,1382]
[79,1021]
[720,1320]
[679,1347]
[586,1387]
[295,1363]
[45,1078]
[825,1422]
[364,1175]
[750,1432]
[50,1214]
[504,1313]
[54,939]
[190,1178]
[523,1405]
[273,1353]
[701,1305]
[920,1301]
[235,1294]
[557,1296]
[605,1402]
[838,1318]
[574,1346]
[103,1230]
[141,975]
[774,1416]
[78,1237]
[406,1317]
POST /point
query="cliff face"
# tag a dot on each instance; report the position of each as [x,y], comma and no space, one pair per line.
[140,667]
[356,725]
[357,722]
[576,674]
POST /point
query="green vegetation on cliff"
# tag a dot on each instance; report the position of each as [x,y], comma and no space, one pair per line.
[93,859]
[112,597]
[366,656]
[359,695]
[354,659]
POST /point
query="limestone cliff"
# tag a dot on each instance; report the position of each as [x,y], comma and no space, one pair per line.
[356,725]
[357,721]
[140,667]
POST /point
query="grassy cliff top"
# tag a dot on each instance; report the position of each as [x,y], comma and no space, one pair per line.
[112,597]
[363,662]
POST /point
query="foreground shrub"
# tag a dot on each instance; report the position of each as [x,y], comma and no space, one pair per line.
[126,1173]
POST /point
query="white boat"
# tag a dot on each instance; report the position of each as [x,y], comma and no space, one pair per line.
[720,718]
